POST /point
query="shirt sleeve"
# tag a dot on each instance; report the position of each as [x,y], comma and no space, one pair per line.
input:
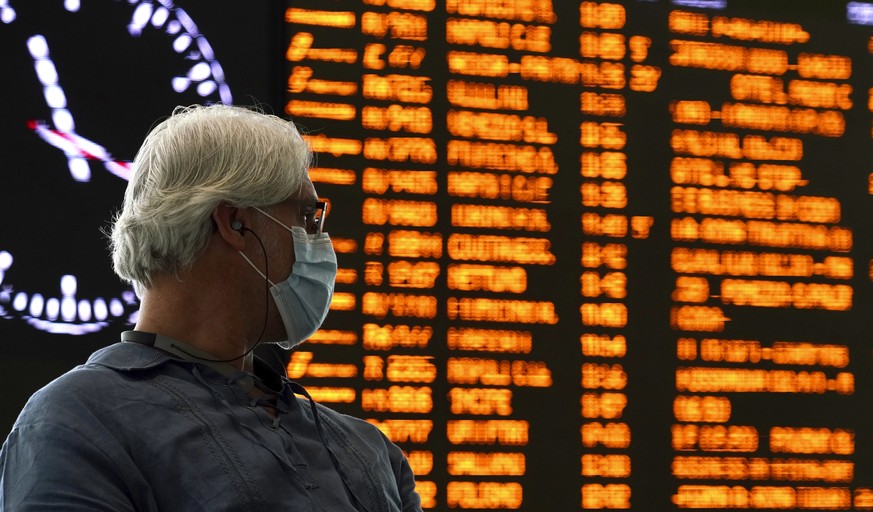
[411,502]
[50,467]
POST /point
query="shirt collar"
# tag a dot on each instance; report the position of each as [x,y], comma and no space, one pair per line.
[137,352]
[193,354]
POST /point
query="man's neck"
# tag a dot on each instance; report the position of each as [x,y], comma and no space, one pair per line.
[199,321]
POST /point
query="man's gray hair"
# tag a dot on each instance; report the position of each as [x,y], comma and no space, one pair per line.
[189,164]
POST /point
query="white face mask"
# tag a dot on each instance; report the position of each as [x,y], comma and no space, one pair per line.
[303,299]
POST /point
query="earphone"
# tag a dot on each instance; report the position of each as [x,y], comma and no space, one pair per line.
[237,226]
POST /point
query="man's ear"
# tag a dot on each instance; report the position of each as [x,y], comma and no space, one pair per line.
[230,222]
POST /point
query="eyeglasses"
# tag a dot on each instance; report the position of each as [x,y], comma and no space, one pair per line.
[313,213]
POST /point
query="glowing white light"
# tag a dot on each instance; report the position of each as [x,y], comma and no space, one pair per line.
[100,310]
[205,48]
[62,328]
[217,72]
[19,303]
[68,285]
[199,71]
[141,16]
[63,120]
[72,5]
[5,263]
[186,21]
[119,169]
[79,169]
[52,307]
[7,14]
[46,71]
[54,97]
[92,148]
[182,43]
[704,4]
[173,27]
[206,88]
[859,13]
[68,309]
[160,17]
[37,302]
[38,47]
[5,260]
[116,307]
[63,137]
[84,310]
[180,84]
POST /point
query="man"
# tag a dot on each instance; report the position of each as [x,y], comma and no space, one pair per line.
[221,236]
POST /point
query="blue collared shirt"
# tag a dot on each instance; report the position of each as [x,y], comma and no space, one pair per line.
[137,429]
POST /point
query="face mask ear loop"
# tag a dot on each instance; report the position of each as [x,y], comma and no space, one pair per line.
[266,307]
[253,265]
[274,219]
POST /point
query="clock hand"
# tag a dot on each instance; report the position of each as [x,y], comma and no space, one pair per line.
[64,137]
[57,102]
[75,146]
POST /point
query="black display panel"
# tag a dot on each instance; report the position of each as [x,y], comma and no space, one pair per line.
[593,255]
[82,84]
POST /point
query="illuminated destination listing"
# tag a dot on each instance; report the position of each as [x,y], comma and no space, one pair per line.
[560,218]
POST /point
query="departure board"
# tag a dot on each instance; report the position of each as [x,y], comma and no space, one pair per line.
[598,255]
[592,254]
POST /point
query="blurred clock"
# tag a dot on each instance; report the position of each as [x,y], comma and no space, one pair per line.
[82,83]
